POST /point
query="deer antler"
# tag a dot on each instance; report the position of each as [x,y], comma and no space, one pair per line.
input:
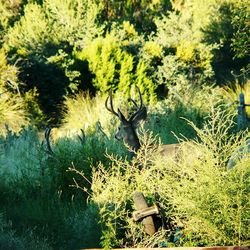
[82,137]
[141,109]
[47,138]
[111,109]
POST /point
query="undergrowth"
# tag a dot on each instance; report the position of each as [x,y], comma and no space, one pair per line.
[207,203]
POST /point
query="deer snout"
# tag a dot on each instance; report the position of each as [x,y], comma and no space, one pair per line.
[118,137]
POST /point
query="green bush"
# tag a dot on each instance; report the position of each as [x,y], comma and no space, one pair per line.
[206,201]
[114,65]
[223,30]
[241,27]
[55,22]
[41,43]
[203,35]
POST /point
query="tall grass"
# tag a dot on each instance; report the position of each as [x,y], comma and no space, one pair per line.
[37,198]
[20,159]
[83,112]
[12,113]
[204,199]
[12,106]
[164,117]
[231,94]
[11,240]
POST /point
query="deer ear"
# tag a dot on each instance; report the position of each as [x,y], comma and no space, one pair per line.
[121,116]
[140,115]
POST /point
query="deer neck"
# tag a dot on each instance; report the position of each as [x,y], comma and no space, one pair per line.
[133,141]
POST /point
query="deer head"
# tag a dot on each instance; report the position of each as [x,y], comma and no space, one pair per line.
[127,128]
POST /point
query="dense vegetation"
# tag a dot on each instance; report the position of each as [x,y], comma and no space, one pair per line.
[58,61]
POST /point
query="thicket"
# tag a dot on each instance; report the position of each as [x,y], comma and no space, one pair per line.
[58,61]
[204,202]
[61,47]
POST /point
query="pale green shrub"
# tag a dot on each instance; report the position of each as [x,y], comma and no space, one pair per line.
[53,22]
[90,114]
[21,162]
[207,201]
[180,33]
[115,66]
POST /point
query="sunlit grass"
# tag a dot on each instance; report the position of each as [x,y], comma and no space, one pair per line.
[84,112]
[231,93]
[12,113]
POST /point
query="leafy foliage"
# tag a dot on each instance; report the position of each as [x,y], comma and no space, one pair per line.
[43,48]
[59,59]
[141,13]
[9,10]
[240,23]
[114,65]
[208,202]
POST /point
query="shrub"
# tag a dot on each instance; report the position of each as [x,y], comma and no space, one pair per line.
[223,30]
[12,113]
[36,117]
[56,22]
[202,35]
[206,201]
[82,112]
[186,60]
[141,13]
[114,66]
[42,42]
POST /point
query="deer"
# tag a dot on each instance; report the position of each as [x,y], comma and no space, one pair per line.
[127,129]
[128,134]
